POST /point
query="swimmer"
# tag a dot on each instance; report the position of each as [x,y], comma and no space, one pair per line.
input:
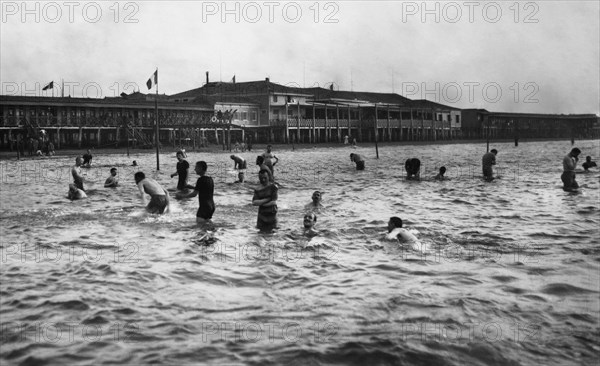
[315,205]
[265,197]
[309,222]
[487,161]
[204,189]
[397,232]
[588,163]
[75,193]
[568,175]
[87,159]
[268,159]
[238,162]
[112,181]
[440,175]
[413,169]
[134,163]
[182,171]
[358,160]
[260,161]
[76,173]
[159,201]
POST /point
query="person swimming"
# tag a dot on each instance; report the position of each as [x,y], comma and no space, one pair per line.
[397,232]
[315,205]
[588,163]
[309,222]
[440,175]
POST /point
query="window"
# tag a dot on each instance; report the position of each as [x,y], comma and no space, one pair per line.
[457,119]
[253,116]
[244,116]
[274,98]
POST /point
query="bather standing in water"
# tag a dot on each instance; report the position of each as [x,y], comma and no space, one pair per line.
[268,160]
[358,160]
[112,181]
[182,171]
[487,161]
[159,201]
[260,161]
[265,197]
[76,173]
[569,164]
[204,189]
[413,169]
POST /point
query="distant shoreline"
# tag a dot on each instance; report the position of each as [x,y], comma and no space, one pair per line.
[258,148]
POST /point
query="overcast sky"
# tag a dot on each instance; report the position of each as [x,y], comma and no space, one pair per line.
[540,57]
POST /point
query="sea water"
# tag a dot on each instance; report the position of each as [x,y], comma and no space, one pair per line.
[507,271]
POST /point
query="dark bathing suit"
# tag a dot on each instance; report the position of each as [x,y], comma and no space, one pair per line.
[205,187]
[412,166]
[87,159]
[77,181]
[182,173]
[267,215]
[157,204]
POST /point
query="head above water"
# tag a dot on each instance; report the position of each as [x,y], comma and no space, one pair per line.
[494,151]
[139,176]
[134,163]
[316,197]
[113,171]
[241,177]
[395,222]
[263,177]
[588,158]
[443,170]
[309,221]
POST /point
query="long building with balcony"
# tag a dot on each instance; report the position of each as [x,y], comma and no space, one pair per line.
[263,111]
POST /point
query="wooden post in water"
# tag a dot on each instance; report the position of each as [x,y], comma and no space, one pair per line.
[376,147]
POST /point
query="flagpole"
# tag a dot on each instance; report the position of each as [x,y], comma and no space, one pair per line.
[156,114]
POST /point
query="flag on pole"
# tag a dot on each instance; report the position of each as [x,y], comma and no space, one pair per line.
[49,86]
[151,82]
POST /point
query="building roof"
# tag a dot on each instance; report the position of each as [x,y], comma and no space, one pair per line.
[128,101]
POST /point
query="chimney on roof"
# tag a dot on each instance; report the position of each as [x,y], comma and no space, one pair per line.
[207,77]
[331,86]
[267,80]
